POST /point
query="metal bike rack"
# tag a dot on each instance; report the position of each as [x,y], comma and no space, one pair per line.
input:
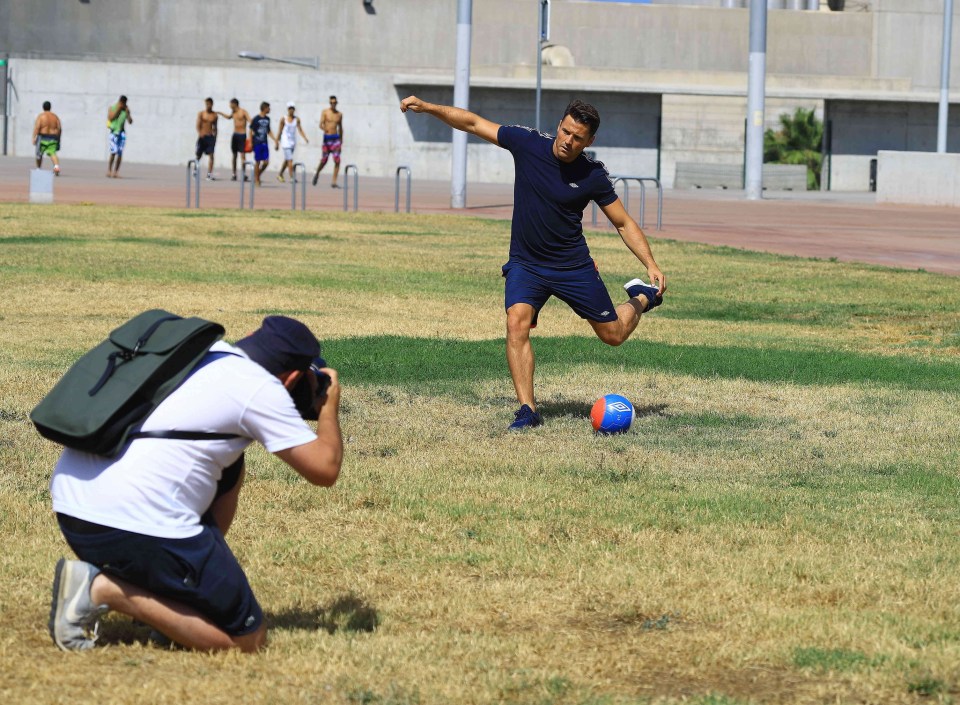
[396,190]
[303,186]
[346,185]
[193,171]
[643,198]
[643,195]
[243,181]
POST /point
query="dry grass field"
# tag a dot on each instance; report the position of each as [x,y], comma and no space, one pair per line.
[779,526]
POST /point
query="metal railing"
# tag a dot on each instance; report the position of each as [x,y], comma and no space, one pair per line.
[193,171]
[346,186]
[303,186]
[643,197]
[396,190]
[243,181]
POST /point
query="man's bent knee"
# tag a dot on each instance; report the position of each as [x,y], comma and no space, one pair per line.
[611,334]
[253,642]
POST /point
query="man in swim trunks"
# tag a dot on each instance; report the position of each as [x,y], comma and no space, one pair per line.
[331,124]
[118,117]
[46,137]
[238,143]
[207,135]
[259,132]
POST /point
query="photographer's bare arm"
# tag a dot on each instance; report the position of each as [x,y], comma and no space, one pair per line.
[457,118]
[319,461]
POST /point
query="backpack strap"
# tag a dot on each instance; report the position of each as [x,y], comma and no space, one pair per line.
[127,355]
[184,435]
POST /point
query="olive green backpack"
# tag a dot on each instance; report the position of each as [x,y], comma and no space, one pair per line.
[111,389]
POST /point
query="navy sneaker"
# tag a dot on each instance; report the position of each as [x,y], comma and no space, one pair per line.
[525,417]
[636,287]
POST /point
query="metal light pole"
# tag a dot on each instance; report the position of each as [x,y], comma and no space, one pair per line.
[461,99]
[313,63]
[945,77]
[753,168]
[543,34]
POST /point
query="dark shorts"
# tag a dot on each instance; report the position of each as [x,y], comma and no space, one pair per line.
[261,152]
[206,145]
[200,572]
[581,289]
[238,143]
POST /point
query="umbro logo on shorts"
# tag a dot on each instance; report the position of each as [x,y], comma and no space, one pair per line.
[574,186]
[605,313]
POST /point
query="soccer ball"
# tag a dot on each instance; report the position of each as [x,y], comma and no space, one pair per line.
[612,414]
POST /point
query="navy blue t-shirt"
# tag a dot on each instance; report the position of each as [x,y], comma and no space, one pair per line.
[260,126]
[549,197]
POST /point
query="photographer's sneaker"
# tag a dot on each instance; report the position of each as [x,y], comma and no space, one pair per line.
[638,287]
[74,619]
[525,417]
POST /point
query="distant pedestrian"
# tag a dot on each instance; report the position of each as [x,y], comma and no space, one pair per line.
[238,143]
[259,132]
[46,137]
[118,117]
[207,135]
[331,124]
[287,129]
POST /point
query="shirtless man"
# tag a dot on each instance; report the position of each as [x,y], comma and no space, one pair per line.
[331,123]
[238,143]
[207,134]
[46,136]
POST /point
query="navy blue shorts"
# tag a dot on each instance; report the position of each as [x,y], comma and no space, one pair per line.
[581,289]
[200,572]
[261,152]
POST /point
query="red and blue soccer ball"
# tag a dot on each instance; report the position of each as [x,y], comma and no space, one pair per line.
[612,413]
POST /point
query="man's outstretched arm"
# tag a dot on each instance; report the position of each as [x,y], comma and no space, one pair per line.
[457,118]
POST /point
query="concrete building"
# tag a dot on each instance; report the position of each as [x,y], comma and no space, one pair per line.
[669,79]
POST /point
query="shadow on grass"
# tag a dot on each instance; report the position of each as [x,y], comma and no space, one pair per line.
[436,364]
[347,612]
[581,410]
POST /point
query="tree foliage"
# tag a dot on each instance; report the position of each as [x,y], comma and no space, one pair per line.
[798,141]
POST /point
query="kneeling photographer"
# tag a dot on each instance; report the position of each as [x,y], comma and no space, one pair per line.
[148,525]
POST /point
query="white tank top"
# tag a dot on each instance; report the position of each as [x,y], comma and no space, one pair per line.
[288,136]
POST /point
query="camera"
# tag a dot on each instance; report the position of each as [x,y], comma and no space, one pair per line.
[311,387]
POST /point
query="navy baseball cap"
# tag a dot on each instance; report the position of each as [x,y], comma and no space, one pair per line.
[281,344]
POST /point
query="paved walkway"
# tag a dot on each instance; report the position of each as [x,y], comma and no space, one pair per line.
[850,227]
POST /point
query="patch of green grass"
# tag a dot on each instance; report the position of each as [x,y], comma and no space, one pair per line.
[293,236]
[39,239]
[425,362]
[839,660]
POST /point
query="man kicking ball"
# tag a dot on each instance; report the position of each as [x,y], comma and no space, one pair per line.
[549,256]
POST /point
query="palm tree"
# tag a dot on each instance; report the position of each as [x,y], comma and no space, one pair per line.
[798,141]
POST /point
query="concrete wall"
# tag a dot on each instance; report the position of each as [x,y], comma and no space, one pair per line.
[863,128]
[918,177]
[164,100]
[909,42]
[403,34]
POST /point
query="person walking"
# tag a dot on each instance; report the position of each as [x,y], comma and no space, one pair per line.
[554,183]
[148,525]
[118,117]
[331,124]
[207,135]
[287,129]
[46,137]
[259,132]
[238,142]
